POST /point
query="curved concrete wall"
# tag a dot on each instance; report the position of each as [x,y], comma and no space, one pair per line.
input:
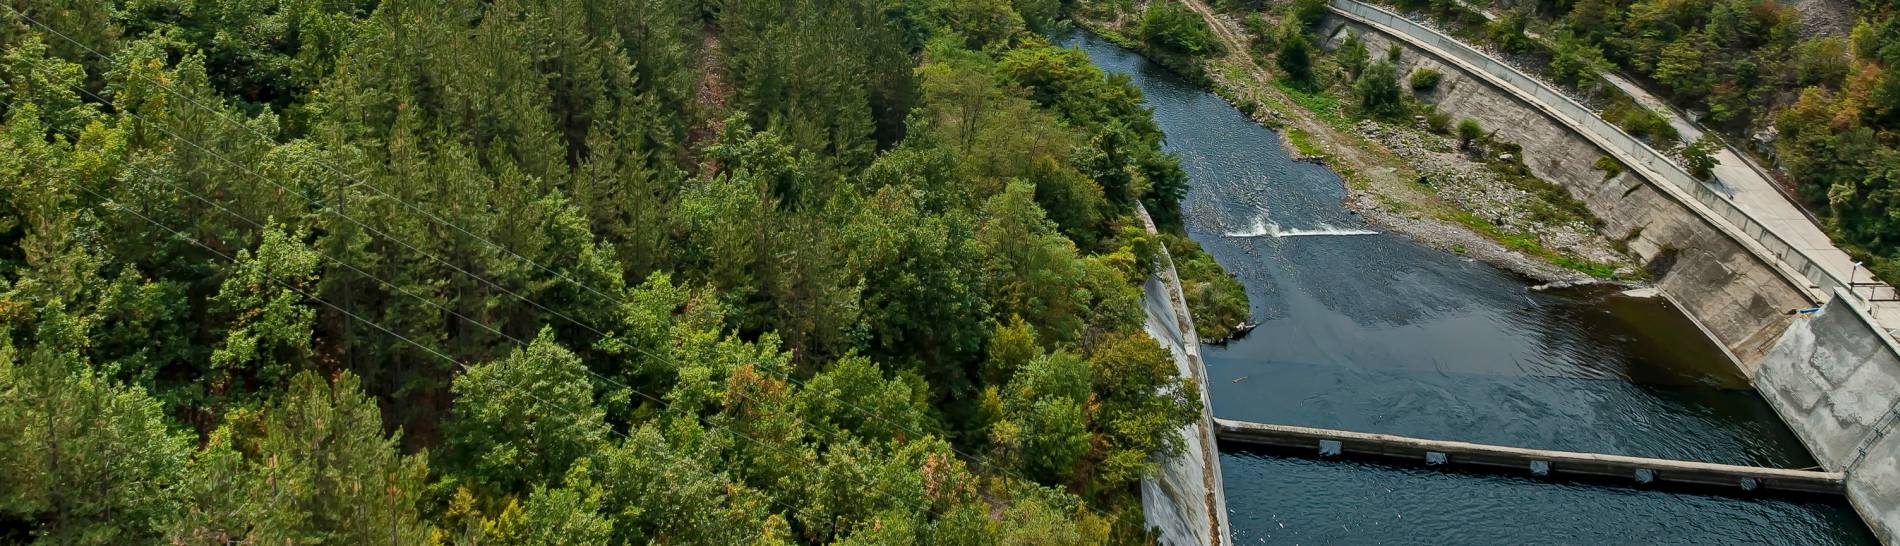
[1184,497]
[1836,381]
[1737,297]
[1833,377]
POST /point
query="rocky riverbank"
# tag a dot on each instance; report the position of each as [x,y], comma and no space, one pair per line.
[1465,208]
[1481,189]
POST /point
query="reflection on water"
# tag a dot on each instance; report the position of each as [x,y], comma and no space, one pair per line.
[1372,332]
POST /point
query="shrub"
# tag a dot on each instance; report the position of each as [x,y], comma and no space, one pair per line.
[1424,79]
[1610,166]
[1295,57]
[1574,61]
[1308,12]
[1173,29]
[1378,90]
[1469,130]
[1438,122]
[1352,55]
[1699,156]
[1508,33]
[1392,53]
[1642,123]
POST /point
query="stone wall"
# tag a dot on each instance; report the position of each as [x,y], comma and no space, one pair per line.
[1184,497]
[1836,381]
[1739,299]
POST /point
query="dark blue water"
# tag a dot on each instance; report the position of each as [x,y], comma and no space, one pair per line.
[1375,333]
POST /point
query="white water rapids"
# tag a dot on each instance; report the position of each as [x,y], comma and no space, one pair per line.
[1262,227]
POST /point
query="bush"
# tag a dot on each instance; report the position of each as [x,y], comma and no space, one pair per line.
[1642,123]
[1392,53]
[1575,62]
[1469,130]
[1217,301]
[1173,29]
[1307,12]
[1508,33]
[1295,57]
[1352,55]
[1378,90]
[1424,79]
[1438,122]
[1610,166]
[1699,156]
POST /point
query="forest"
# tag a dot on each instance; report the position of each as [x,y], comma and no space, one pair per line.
[578,272]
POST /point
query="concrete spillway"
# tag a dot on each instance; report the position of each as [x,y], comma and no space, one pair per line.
[1531,461]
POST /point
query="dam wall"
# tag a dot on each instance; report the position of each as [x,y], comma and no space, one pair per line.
[1739,298]
[1835,380]
[1833,376]
[1183,498]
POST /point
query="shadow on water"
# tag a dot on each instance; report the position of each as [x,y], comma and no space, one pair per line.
[1372,332]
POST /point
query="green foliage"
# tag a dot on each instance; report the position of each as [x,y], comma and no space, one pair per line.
[1307,12]
[1352,55]
[1438,121]
[1468,131]
[1031,268]
[1641,122]
[1295,57]
[1378,90]
[1507,31]
[267,338]
[1217,301]
[1821,60]
[1699,156]
[1609,165]
[523,419]
[294,230]
[1424,79]
[89,457]
[1172,29]
[315,467]
[1574,61]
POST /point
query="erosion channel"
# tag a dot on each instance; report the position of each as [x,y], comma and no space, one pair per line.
[1371,332]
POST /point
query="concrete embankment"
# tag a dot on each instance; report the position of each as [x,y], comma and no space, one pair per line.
[1183,498]
[1833,377]
[1836,381]
[1727,287]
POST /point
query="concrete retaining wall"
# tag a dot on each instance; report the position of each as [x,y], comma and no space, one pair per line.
[1873,486]
[1836,381]
[1738,298]
[1184,497]
[1834,377]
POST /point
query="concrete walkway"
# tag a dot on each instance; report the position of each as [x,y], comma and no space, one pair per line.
[1745,202]
[1743,182]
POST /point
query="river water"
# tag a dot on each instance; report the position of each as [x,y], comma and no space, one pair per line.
[1372,332]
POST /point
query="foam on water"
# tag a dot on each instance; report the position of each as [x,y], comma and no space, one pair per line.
[1262,227]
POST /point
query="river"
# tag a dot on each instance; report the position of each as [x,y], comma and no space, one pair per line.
[1372,332]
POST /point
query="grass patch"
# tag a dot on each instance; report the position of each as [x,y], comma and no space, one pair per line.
[1323,105]
[1528,244]
[1302,142]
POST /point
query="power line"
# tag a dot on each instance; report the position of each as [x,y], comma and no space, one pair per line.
[459,315]
[668,449]
[445,223]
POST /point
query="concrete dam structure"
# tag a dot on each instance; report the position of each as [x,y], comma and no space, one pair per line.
[1832,376]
